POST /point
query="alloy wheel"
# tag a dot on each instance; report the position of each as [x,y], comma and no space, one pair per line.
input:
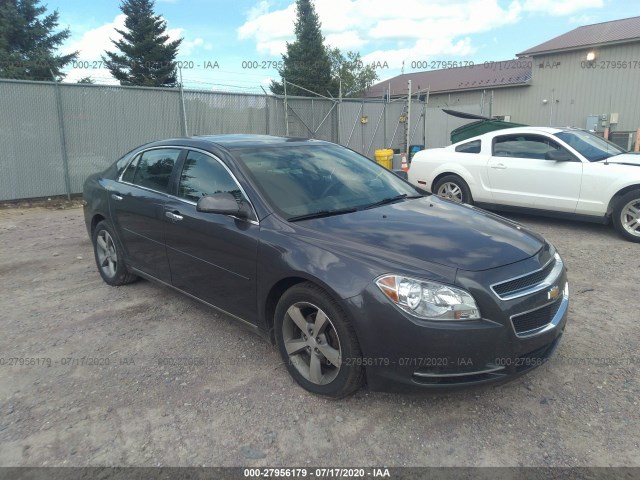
[312,343]
[107,255]
[630,217]
[451,191]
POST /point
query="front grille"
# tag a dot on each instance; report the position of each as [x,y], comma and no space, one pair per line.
[535,319]
[519,284]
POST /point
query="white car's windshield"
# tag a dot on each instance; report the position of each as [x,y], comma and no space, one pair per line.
[590,146]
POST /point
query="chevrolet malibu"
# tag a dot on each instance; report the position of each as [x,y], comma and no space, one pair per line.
[354,274]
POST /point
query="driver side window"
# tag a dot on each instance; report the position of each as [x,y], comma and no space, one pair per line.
[524,146]
[203,175]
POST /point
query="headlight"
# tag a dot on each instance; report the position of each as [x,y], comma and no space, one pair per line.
[429,300]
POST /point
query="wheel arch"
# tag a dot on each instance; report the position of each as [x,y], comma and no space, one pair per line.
[619,194]
[458,172]
[95,220]
[279,288]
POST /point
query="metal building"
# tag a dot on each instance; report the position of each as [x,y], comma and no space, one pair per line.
[588,78]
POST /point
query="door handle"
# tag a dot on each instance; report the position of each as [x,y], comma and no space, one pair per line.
[499,166]
[173,216]
[115,196]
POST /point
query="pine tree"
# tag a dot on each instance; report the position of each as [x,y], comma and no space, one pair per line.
[306,62]
[28,41]
[146,56]
[350,72]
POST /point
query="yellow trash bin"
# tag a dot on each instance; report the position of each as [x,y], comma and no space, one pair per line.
[384,157]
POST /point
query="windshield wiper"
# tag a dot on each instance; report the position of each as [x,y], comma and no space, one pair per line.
[388,200]
[322,213]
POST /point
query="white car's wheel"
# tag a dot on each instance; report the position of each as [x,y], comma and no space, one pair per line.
[454,188]
[626,216]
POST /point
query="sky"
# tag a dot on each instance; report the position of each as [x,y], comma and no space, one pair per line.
[234,45]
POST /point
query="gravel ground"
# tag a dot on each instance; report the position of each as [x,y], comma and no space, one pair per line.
[94,390]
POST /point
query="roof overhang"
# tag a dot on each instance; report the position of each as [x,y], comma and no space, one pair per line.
[576,48]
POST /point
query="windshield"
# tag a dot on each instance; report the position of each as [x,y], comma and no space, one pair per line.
[590,146]
[306,180]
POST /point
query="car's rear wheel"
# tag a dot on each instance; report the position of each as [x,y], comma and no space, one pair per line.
[626,216]
[454,188]
[108,255]
[317,342]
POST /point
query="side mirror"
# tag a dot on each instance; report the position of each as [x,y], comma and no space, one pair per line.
[558,156]
[223,203]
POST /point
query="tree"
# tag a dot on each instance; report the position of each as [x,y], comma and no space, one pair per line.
[28,41]
[88,80]
[306,62]
[146,57]
[350,70]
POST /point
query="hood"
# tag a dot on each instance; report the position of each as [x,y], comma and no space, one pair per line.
[429,229]
[626,159]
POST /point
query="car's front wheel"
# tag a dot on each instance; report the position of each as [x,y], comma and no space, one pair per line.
[626,216]
[454,188]
[109,258]
[317,342]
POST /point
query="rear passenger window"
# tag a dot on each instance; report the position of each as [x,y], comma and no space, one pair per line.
[127,176]
[469,147]
[203,175]
[154,169]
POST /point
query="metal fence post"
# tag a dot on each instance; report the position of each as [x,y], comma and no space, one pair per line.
[185,131]
[286,108]
[266,114]
[63,140]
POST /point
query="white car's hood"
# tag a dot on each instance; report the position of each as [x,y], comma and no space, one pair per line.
[626,159]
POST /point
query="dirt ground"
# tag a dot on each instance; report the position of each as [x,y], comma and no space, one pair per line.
[92,375]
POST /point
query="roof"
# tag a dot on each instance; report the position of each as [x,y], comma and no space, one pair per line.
[249,140]
[233,141]
[506,73]
[615,31]
[522,130]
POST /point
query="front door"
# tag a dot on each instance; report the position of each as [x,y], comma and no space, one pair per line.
[212,256]
[519,174]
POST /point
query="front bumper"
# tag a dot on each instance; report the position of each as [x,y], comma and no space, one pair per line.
[403,353]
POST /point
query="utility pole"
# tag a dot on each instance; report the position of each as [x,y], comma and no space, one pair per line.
[339,107]
[63,140]
[408,122]
[286,108]
[184,110]
[424,119]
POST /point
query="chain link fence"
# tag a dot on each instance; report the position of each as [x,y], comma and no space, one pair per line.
[52,136]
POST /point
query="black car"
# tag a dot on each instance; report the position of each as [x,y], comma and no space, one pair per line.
[355,275]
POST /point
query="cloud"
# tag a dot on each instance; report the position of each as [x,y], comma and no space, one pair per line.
[413,31]
[583,19]
[559,8]
[270,30]
[187,46]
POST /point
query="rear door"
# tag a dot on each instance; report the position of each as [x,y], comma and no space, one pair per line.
[137,209]
[519,174]
[212,256]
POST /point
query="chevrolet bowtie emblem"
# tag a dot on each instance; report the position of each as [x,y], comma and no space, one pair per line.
[553,293]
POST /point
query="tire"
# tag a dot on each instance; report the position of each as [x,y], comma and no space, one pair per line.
[109,256]
[454,188]
[317,362]
[626,216]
